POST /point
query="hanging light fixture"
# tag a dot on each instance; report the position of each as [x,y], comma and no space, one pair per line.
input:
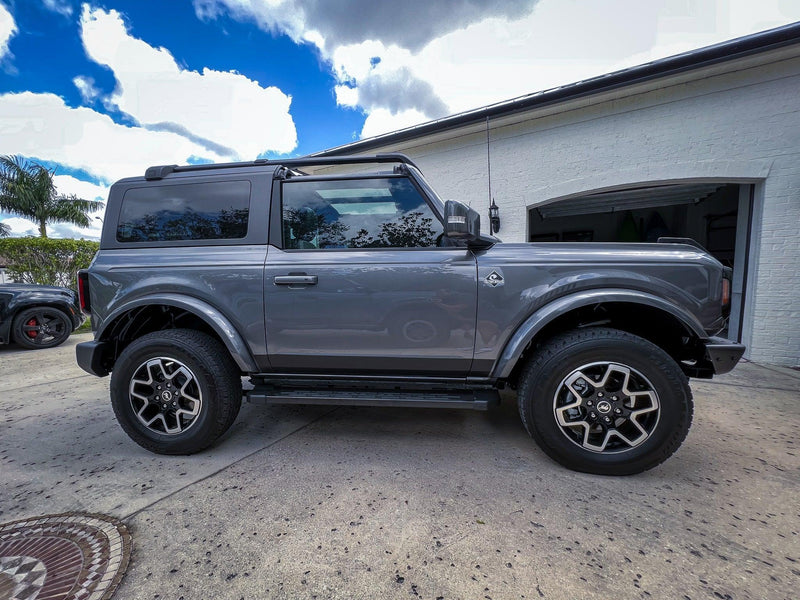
[494,210]
[494,217]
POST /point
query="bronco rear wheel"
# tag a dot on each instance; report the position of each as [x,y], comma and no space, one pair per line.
[605,401]
[175,391]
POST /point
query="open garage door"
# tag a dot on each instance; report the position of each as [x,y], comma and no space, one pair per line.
[717,215]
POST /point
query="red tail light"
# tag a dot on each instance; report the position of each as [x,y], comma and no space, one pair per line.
[726,292]
[83,291]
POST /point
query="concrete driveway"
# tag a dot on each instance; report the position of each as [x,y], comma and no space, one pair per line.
[311,502]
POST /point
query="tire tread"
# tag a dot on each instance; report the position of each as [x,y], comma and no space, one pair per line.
[20,339]
[219,368]
[562,343]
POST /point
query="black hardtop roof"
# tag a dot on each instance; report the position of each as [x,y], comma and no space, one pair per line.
[161,171]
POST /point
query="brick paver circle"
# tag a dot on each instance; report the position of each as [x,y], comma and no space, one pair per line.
[72,555]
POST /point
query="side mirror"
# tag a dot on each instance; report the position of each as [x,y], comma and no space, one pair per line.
[460,221]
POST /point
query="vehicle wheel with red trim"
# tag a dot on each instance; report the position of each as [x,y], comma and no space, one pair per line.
[41,327]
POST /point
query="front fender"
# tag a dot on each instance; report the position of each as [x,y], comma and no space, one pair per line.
[215,319]
[526,332]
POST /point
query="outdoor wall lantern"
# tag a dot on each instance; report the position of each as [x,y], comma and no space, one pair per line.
[494,217]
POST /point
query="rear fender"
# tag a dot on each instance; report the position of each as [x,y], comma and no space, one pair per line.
[215,319]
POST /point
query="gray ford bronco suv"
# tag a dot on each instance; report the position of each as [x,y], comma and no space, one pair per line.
[325,286]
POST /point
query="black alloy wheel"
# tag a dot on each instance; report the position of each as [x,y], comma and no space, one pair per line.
[41,327]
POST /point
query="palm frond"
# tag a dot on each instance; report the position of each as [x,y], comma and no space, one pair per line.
[27,190]
[71,209]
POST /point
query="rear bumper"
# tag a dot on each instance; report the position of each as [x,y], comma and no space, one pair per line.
[723,354]
[90,357]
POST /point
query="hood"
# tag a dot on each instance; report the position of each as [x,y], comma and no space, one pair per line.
[33,287]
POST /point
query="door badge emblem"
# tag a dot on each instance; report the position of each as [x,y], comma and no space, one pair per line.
[494,279]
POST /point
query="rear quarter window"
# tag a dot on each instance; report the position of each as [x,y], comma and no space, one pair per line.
[185,212]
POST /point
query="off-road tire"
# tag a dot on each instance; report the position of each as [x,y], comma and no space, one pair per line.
[216,380]
[543,383]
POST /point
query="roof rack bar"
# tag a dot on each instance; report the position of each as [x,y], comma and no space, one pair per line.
[159,172]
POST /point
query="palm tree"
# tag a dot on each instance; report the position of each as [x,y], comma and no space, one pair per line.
[5,230]
[27,190]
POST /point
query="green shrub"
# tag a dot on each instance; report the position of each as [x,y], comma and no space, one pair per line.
[46,261]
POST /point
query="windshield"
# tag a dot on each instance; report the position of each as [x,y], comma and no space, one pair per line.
[436,202]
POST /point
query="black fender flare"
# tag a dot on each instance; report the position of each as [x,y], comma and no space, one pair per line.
[232,339]
[529,328]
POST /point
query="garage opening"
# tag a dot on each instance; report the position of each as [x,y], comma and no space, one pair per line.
[714,214]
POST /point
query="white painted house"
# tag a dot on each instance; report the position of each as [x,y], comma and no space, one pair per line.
[704,144]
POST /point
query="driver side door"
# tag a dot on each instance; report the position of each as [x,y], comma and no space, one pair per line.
[359,284]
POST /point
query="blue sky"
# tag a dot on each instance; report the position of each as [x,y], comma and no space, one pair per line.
[100,90]
[48,53]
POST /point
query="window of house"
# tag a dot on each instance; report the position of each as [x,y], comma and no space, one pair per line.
[364,213]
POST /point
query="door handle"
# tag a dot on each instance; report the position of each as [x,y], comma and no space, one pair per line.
[295,280]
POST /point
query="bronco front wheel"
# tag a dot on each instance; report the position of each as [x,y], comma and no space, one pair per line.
[605,401]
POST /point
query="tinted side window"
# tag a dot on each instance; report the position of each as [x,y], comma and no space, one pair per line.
[362,213]
[195,211]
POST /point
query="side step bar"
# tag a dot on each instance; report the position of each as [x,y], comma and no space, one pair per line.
[471,399]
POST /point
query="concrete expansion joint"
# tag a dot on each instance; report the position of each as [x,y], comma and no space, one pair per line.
[130,516]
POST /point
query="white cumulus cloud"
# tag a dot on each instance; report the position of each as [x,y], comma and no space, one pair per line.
[62,7]
[397,73]
[86,88]
[20,227]
[222,110]
[7,29]
[42,126]
[410,24]
[67,185]
[382,120]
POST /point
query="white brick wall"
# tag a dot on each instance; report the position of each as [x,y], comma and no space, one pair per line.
[743,125]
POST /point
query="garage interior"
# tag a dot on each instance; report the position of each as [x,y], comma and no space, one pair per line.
[714,214]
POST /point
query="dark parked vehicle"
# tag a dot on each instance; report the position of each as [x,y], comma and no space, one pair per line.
[37,316]
[327,287]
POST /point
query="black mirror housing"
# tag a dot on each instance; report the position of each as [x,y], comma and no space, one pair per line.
[460,221]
